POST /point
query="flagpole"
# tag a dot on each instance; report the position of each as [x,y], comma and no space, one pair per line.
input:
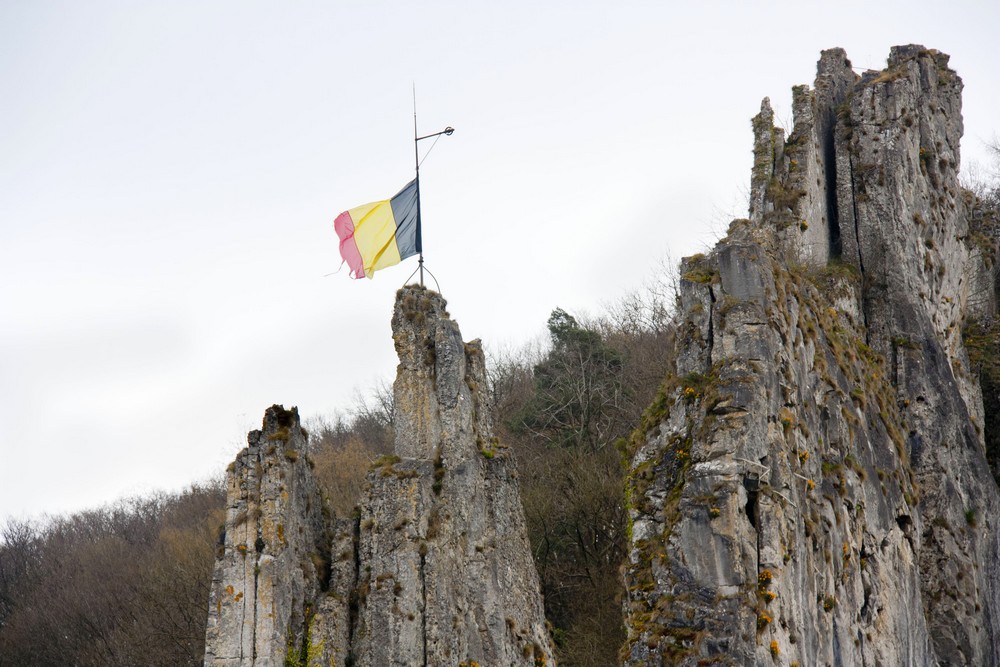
[448,131]
[416,168]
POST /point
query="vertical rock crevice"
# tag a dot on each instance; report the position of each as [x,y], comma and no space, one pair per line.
[856,234]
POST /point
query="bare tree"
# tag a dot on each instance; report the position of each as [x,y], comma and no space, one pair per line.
[562,411]
[123,585]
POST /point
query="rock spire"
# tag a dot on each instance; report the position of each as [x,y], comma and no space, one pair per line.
[435,570]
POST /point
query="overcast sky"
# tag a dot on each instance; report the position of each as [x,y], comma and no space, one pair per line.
[170,171]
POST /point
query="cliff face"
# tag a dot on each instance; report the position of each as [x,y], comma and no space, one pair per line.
[812,486]
[437,569]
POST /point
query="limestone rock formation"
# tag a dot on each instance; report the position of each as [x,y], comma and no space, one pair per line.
[270,567]
[436,570]
[812,484]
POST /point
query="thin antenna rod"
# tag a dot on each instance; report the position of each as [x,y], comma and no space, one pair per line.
[416,168]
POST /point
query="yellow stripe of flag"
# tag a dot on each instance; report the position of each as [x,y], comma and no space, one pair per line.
[375,232]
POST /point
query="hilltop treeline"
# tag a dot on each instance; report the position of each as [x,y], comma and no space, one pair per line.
[128,584]
[122,585]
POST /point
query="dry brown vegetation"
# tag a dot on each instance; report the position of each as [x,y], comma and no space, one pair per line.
[343,448]
[128,584]
[982,336]
[122,585]
[562,416]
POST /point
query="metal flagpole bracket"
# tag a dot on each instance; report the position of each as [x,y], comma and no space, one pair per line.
[446,131]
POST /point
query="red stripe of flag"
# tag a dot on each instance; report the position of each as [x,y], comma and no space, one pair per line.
[344,227]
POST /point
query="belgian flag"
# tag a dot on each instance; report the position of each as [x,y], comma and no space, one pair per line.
[380,234]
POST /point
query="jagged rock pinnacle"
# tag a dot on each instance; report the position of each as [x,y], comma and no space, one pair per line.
[266,570]
[435,570]
[451,576]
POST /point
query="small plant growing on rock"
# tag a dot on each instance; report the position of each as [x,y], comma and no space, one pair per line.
[787,420]
[489,450]
[858,394]
[281,434]
[700,271]
[763,620]
[775,649]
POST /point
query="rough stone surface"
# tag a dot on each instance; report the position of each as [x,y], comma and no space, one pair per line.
[812,485]
[269,569]
[436,570]
[446,569]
